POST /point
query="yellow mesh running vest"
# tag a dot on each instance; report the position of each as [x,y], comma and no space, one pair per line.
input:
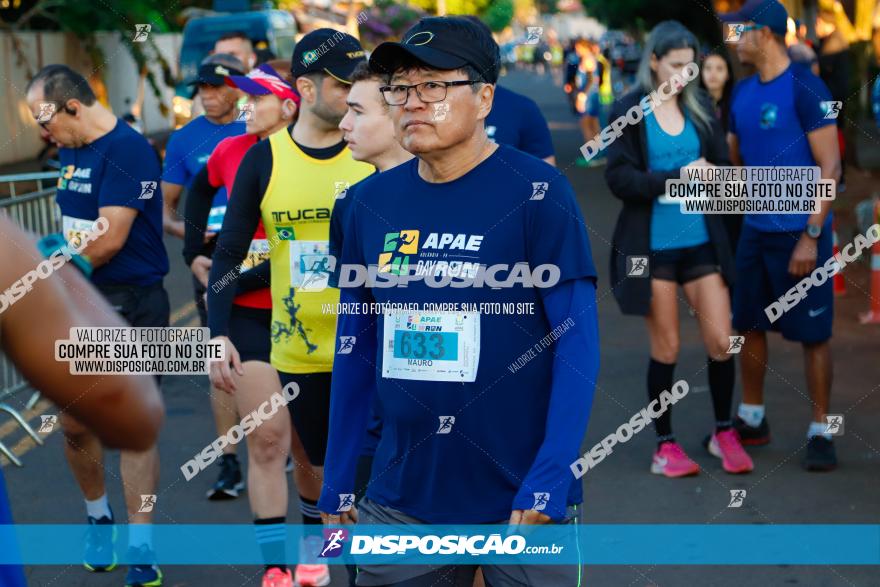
[296,214]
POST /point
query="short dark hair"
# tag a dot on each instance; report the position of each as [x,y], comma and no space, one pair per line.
[61,83]
[362,72]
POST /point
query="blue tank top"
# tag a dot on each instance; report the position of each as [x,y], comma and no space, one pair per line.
[670,229]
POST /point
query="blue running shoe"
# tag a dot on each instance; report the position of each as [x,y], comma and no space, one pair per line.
[146,574]
[100,556]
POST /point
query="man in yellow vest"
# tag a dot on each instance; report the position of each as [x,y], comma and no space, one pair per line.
[290,181]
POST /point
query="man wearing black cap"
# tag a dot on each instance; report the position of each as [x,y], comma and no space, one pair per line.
[778,118]
[186,154]
[473,432]
[290,181]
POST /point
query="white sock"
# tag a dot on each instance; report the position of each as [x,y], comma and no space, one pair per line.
[752,414]
[818,429]
[140,535]
[98,508]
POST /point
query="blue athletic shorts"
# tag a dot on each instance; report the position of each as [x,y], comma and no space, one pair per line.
[762,278]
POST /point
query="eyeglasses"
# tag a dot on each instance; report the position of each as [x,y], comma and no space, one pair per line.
[428,92]
[45,123]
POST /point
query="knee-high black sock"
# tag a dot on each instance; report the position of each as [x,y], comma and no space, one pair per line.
[659,379]
[722,376]
[271,539]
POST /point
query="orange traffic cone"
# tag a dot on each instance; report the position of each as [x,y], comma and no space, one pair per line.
[839,282]
[873,315]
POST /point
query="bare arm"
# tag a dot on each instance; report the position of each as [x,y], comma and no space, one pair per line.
[124,411]
[171,200]
[733,150]
[103,248]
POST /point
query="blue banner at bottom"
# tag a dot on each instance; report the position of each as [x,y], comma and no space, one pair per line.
[591,544]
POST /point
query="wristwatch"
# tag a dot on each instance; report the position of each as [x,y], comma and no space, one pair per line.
[813,230]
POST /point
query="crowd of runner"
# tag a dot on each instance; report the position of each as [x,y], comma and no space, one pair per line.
[299,168]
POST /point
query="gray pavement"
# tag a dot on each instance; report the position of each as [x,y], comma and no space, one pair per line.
[620,490]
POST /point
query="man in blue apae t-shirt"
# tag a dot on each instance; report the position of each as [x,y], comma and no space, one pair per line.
[475,428]
[109,172]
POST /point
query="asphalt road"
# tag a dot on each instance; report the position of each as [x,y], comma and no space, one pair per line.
[621,490]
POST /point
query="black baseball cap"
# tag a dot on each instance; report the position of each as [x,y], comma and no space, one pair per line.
[214,69]
[769,13]
[327,51]
[442,42]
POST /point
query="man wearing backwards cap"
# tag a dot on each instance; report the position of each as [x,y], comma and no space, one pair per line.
[290,181]
[777,118]
[470,434]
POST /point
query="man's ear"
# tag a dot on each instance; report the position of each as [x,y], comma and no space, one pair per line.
[487,95]
[306,88]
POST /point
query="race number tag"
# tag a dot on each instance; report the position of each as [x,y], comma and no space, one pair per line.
[257,253]
[73,229]
[435,346]
[310,265]
[215,218]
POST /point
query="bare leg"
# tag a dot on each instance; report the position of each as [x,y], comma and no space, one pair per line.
[753,361]
[85,455]
[817,360]
[709,297]
[662,321]
[140,476]
[268,444]
[225,415]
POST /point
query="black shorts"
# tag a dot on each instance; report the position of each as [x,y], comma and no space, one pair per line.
[249,331]
[310,412]
[685,264]
[138,305]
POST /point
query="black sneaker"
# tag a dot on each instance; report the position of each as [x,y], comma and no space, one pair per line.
[752,435]
[230,483]
[821,455]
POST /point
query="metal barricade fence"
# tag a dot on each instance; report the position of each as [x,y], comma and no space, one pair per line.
[29,200]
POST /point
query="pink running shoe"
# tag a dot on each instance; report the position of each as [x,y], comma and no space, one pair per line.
[312,575]
[726,446]
[671,460]
[275,577]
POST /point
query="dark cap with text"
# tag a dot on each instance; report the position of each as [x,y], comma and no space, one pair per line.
[764,13]
[442,42]
[327,51]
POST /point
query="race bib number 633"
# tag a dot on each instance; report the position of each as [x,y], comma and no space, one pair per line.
[431,346]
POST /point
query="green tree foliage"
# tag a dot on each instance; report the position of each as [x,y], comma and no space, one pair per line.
[84,19]
[499,14]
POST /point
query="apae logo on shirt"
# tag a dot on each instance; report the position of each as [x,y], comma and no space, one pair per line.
[70,175]
[397,250]
[769,112]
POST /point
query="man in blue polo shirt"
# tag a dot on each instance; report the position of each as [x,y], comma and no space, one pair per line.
[188,150]
[472,433]
[778,118]
[108,171]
